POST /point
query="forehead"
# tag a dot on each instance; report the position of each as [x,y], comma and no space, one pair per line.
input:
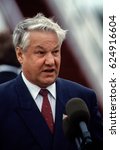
[44,38]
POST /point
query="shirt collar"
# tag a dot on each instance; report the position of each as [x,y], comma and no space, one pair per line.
[52,90]
[34,89]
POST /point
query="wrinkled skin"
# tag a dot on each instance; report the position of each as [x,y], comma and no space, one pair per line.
[41,60]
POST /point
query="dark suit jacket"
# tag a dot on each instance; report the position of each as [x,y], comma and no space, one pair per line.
[6,76]
[22,126]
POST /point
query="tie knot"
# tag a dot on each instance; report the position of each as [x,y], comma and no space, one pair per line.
[44,92]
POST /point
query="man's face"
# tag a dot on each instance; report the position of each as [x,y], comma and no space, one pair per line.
[41,61]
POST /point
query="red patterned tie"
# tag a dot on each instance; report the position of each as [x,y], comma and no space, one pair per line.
[46,109]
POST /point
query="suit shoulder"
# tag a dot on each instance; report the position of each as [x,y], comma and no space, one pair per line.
[73,85]
[6,87]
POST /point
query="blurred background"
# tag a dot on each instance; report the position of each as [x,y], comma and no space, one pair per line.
[82,51]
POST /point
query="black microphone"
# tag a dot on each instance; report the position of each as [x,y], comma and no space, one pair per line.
[79,115]
[71,132]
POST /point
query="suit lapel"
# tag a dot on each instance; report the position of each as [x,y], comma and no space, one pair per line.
[60,110]
[31,116]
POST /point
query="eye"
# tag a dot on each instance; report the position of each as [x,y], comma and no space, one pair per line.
[39,52]
[56,52]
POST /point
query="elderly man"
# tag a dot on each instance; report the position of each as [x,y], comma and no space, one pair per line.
[32,105]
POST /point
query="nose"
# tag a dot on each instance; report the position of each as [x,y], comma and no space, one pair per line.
[49,60]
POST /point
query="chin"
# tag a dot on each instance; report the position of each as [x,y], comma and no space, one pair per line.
[49,82]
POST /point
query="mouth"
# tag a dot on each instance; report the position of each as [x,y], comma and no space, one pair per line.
[49,70]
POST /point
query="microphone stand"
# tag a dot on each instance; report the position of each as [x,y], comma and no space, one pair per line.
[78,143]
[83,145]
[86,143]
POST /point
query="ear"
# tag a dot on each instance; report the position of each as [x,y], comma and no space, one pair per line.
[19,54]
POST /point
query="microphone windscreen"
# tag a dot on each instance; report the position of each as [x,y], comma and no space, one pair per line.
[69,130]
[77,110]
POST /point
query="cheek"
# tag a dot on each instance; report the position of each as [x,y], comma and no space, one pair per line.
[58,62]
[29,63]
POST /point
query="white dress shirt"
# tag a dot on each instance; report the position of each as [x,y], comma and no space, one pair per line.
[34,91]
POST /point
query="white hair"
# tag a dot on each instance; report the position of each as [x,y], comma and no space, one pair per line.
[39,23]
